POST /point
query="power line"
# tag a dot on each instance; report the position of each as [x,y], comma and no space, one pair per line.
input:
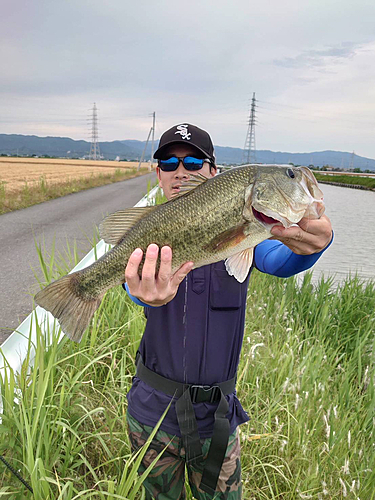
[282,105]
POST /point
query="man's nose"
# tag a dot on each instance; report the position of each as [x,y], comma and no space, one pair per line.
[181,171]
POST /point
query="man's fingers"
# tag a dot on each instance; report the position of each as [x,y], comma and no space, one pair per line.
[181,273]
[131,270]
[310,236]
[165,270]
[305,224]
[289,236]
[312,226]
[151,288]
[149,266]
[316,226]
[298,240]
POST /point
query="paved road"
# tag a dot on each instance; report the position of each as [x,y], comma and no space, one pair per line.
[70,218]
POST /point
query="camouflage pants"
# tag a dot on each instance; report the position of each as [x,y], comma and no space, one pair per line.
[167,479]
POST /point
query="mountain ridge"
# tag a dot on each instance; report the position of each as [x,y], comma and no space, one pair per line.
[131,149]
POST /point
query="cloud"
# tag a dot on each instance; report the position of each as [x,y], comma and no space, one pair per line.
[320,57]
[198,61]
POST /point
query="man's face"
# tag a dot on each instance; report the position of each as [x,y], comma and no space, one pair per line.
[170,182]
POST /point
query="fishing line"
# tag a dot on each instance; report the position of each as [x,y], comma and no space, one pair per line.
[18,476]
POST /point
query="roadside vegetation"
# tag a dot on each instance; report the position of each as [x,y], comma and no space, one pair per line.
[357,180]
[306,378]
[42,190]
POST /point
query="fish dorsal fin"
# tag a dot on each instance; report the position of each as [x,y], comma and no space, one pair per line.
[113,228]
[239,264]
[193,182]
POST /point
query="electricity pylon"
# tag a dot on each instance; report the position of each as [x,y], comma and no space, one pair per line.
[249,155]
[94,148]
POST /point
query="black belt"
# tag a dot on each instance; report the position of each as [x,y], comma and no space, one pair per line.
[186,395]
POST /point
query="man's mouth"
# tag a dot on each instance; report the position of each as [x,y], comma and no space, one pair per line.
[175,190]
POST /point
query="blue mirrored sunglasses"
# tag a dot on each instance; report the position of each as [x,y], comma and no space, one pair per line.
[189,162]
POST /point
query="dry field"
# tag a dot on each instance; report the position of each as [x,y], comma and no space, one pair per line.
[16,172]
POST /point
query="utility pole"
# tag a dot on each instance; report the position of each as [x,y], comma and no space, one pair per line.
[152,131]
[152,140]
[249,155]
[94,148]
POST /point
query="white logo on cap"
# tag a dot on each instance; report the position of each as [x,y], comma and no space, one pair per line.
[183,130]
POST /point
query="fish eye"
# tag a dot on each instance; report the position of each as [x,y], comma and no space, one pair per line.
[290,173]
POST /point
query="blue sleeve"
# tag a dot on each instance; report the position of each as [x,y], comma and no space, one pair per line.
[134,299]
[273,257]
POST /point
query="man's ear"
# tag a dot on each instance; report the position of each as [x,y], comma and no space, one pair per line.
[158,175]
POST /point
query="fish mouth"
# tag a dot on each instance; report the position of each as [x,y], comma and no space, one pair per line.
[265,219]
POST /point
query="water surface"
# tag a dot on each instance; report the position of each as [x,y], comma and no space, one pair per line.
[352,213]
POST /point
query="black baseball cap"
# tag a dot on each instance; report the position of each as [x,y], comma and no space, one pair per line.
[185,133]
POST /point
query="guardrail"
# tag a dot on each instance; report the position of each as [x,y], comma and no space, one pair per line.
[21,342]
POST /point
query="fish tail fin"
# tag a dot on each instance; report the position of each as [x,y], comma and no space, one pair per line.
[61,298]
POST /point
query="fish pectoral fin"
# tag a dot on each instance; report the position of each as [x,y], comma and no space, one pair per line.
[114,227]
[239,264]
[227,239]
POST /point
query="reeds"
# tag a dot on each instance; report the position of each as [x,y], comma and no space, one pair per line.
[306,378]
[309,388]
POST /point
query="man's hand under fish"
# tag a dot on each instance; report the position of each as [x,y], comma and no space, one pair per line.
[307,237]
[154,288]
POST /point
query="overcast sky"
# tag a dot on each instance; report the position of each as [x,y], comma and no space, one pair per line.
[311,64]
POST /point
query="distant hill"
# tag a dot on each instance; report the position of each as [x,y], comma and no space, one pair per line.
[132,150]
[69,148]
[318,159]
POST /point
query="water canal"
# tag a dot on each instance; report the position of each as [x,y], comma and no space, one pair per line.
[352,213]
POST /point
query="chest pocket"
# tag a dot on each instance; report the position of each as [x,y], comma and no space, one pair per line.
[225,291]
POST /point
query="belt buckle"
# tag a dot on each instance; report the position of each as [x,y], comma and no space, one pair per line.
[214,391]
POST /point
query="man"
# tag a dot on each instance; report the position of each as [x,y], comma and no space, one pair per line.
[192,342]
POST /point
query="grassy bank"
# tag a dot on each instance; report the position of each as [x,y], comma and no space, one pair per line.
[306,378]
[351,180]
[42,190]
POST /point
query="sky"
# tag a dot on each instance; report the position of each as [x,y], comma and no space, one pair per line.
[311,64]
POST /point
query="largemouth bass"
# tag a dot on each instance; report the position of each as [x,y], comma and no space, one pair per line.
[223,217]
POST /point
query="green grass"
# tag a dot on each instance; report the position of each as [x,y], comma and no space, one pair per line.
[306,378]
[41,191]
[368,182]
[310,385]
